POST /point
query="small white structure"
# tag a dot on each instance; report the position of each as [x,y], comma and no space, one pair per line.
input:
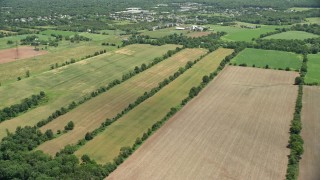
[180,28]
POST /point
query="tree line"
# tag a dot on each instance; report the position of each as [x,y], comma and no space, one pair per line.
[26,104]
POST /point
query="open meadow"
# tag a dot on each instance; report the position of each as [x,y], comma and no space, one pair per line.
[70,83]
[313,74]
[237,128]
[125,130]
[274,59]
[89,116]
[310,162]
[300,35]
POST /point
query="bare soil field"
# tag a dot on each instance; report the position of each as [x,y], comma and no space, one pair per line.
[237,128]
[91,114]
[23,52]
[310,162]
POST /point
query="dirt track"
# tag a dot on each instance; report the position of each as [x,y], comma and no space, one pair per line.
[310,162]
[9,55]
[237,128]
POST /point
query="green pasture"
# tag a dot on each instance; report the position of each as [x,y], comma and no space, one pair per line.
[274,59]
[300,35]
[313,74]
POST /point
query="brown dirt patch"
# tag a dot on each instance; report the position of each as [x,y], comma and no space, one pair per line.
[237,128]
[23,52]
[310,162]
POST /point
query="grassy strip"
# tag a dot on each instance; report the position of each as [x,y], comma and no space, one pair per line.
[70,149]
[125,152]
[26,104]
[135,71]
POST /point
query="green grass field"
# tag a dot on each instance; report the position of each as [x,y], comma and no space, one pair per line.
[69,83]
[236,33]
[124,131]
[292,35]
[313,74]
[275,59]
[314,20]
[299,9]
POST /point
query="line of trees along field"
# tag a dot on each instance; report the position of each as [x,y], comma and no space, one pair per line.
[26,104]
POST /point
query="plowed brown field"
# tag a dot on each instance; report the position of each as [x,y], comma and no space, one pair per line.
[310,162]
[14,54]
[237,128]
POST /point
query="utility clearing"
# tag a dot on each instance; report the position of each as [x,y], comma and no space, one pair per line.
[91,114]
[237,128]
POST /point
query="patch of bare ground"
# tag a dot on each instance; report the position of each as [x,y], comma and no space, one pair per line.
[237,128]
[14,54]
[310,162]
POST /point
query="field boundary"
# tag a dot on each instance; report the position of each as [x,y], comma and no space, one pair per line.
[295,140]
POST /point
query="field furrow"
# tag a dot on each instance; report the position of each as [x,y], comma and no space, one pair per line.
[237,128]
[70,83]
[124,132]
[91,114]
[310,162]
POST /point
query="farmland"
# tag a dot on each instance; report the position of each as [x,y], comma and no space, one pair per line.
[162,89]
[243,125]
[91,114]
[300,35]
[36,65]
[309,166]
[274,59]
[313,74]
[70,83]
[236,33]
[125,131]
[9,55]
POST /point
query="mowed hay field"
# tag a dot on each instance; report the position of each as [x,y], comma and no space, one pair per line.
[105,147]
[237,128]
[313,74]
[310,162]
[70,83]
[275,59]
[10,71]
[91,114]
[300,35]
[14,54]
